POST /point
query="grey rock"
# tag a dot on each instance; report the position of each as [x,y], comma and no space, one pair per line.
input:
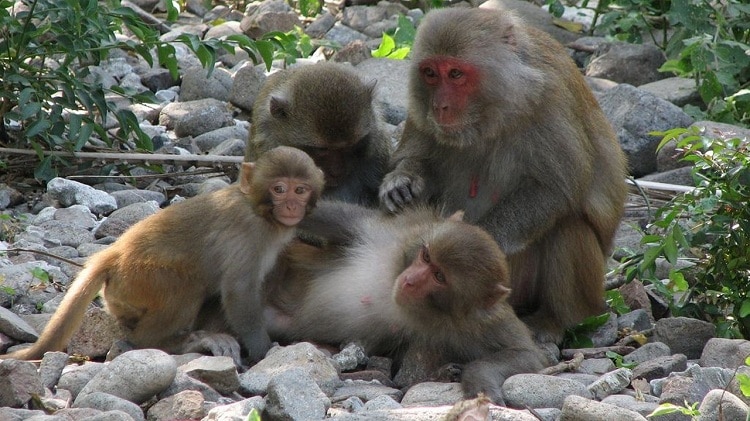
[212,139]
[622,62]
[246,85]
[271,15]
[606,334]
[660,367]
[51,368]
[135,376]
[120,220]
[352,356]
[186,405]
[720,404]
[302,355]
[66,234]
[366,391]
[726,353]
[75,377]
[379,403]
[19,380]
[684,335]
[322,24]
[634,114]
[392,85]
[642,407]
[679,91]
[577,408]
[236,411]
[541,391]
[224,29]
[343,34]
[107,402]
[126,198]
[648,352]
[432,394]
[98,331]
[596,366]
[294,395]
[611,383]
[16,327]
[115,415]
[69,192]
[218,372]
[229,147]
[193,118]
[198,84]
[77,215]
[637,320]
[184,382]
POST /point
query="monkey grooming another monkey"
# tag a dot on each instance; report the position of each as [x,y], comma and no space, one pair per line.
[159,274]
[328,112]
[502,125]
[410,284]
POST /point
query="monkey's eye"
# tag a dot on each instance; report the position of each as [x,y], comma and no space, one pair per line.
[429,74]
[279,188]
[439,277]
[426,254]
[301,190]
[455,74]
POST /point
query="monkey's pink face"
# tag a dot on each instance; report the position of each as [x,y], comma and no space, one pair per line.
[290,197]
[451,83]
[421,279]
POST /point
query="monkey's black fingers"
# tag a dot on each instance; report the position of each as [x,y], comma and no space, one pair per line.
[396,193]
[217,344]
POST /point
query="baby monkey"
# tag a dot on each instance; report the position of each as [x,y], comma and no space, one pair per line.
[218,247]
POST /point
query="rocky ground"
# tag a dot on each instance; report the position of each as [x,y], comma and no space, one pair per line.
[681,361]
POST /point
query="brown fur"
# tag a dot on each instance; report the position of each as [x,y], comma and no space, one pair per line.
[158,275]
[535,161]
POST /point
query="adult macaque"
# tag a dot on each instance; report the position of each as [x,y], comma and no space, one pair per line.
[215,247]
[502,125]
[412,283]
[328,112]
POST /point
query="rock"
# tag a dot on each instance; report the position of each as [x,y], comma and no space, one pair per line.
[15,327]
[660,366]
[577,408]
[303,355]
[218,372]
[107,402]
[634,114]
[122,219]
[720,404]
[51,368]
[611,383]
[135,376]
[188,405]
[634,64]
[684,335]
[432,394]
[246,85]
[69,192]
[541,391]
[193,118]
[727,353]
[680,91]
[648,352]
[96,335]
[197,84]
[19,380]
[294,394]
[126,198]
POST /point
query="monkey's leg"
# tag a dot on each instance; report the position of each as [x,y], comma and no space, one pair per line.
[487,375]
[243,310]
[565,286]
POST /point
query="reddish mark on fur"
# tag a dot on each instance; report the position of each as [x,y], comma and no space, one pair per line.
[453,82]
[366,300]
[474,187]
[495,197]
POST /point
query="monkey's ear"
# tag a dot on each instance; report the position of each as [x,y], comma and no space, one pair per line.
[499,292]
[457,216]
[246,177]
[279,106]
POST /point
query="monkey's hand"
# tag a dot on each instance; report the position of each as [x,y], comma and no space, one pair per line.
[217,344]
[400,189]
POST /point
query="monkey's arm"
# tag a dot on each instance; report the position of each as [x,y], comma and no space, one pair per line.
[404,184]
[335,222]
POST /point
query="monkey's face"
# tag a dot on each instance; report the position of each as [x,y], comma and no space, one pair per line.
[289,197]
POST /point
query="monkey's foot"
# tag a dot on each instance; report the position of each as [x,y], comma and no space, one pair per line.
[217,344]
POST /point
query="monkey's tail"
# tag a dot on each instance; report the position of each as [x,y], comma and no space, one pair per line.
[68,317]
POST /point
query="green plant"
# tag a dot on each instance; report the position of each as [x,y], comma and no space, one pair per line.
[703,40]
[710,226]
[254,415]
[578,335]
[690,410]
[618,360]
[288,46]
[616,302]
[398,45]
[46,93]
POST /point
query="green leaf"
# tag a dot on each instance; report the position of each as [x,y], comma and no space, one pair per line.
[745,308]
[386,46]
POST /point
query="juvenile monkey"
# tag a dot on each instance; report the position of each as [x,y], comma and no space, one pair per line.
[327,111]
[159,274]
[412,283]
[502,125]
